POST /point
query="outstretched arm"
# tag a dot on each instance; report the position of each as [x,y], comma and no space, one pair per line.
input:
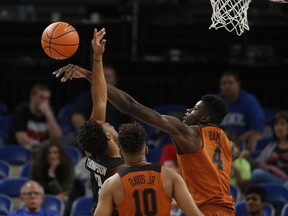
[99,87]
[187,139]
[122,101]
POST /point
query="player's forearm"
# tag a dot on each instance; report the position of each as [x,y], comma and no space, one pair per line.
[99,86]
[121,100]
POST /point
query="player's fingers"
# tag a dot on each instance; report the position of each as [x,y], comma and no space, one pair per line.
[103,42]
[59,72]
[100,37]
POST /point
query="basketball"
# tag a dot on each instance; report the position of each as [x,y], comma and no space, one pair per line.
[60,40]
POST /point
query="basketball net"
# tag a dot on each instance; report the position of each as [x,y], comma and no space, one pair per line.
[230,14]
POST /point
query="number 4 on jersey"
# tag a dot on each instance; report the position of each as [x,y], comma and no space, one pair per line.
[217,158]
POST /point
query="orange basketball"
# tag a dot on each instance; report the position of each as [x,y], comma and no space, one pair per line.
[60,40]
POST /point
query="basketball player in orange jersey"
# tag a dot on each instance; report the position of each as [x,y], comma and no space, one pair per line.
[204,152]
[142,188]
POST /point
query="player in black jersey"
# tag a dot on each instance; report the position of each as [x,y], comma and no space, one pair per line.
[97,138]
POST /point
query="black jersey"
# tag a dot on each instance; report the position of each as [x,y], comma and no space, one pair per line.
[99,169]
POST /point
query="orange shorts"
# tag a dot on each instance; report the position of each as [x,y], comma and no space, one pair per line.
[214,210]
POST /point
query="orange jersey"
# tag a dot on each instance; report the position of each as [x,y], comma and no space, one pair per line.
[207,172]
[144,194]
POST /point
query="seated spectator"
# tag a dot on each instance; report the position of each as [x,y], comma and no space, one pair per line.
[272,164]
[34,122]
[32,197]
[245,115]
[241,168]
[168,156]
[83,105]
[240,173]
[53,168]
[255,198]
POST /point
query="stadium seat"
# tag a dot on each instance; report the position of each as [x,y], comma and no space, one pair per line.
[154,155]
[66,111]
[5,205]
[276,192]
[4,123]
[74,152]
[235,192]
[14,154]
[277,195]
[53,203]
[284,211]
[241,209]
[4,169]
[64,117]
[12,186]
[25,169]
[270,112]
[82,206]
[262,143]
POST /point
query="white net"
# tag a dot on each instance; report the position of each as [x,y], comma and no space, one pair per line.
[230,14]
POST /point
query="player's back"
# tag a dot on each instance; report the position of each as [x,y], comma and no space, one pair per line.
[144,193]
[207,172]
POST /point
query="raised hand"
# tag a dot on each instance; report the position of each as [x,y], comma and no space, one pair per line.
[71,71]
[98,43]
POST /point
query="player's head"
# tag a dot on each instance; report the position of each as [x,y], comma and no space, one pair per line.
[210,109]
[255,197]
[93,137]
[132,138]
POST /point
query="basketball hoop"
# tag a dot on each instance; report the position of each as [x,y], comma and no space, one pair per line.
[230,14]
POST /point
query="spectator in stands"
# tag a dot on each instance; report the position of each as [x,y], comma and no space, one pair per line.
[35,121]
[255,198]
[241,168]
[83,105]
[271,166]
[245,115]
[169,157]
[53,168]
[32,196]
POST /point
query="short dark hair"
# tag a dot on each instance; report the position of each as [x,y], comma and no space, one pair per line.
[131,137]
[233,73]
[279,115]
[92,138]
[215,107]
[257,190]
[39,87]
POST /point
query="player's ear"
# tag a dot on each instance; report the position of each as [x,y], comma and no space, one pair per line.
[109,136]
[146,149]
[205,118]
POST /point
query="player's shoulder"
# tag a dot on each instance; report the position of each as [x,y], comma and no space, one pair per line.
[169,173]
[112,181]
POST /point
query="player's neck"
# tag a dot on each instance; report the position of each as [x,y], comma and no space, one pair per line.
[135,161]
